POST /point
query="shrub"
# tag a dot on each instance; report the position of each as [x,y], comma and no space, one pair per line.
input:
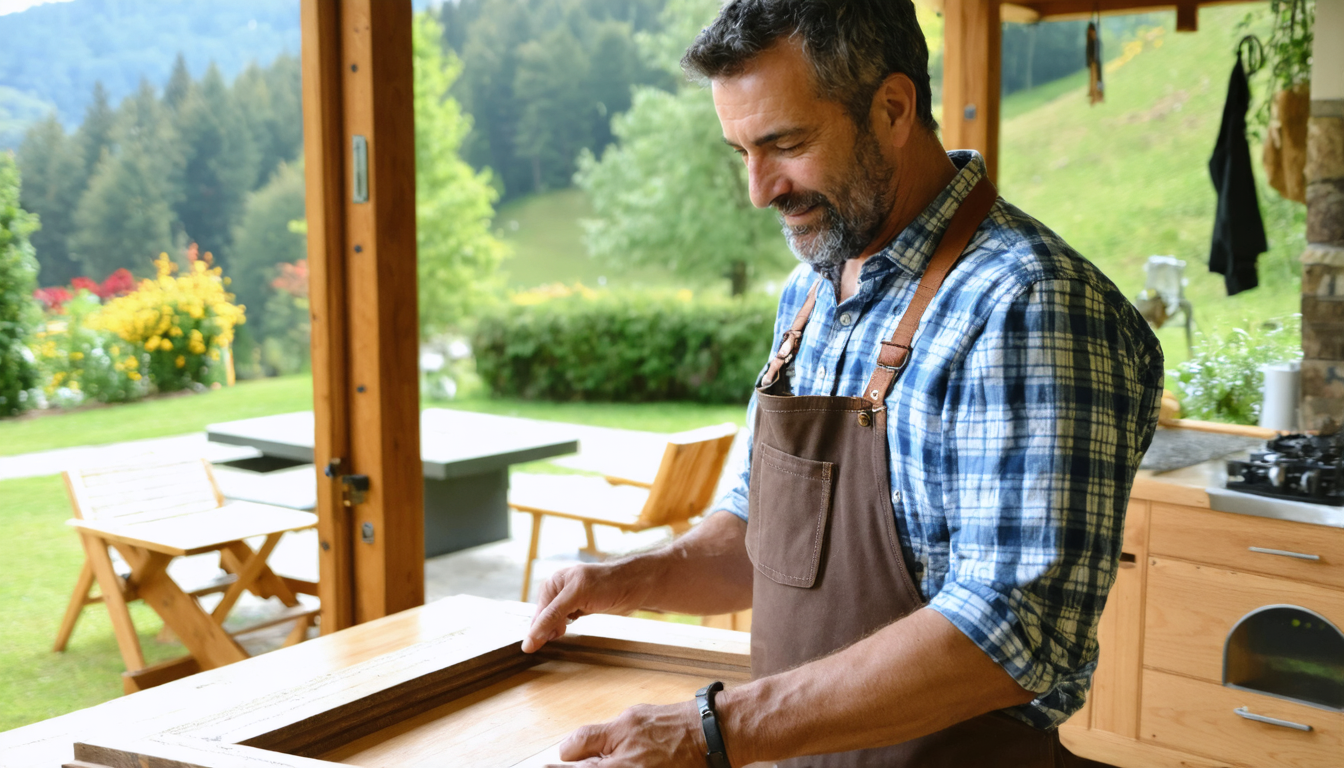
[181,322]
[18,277]
[577,344]
[1222,381]
[81,361]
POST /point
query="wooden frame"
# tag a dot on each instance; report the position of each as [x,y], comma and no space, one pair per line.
[358,82]
[325,713]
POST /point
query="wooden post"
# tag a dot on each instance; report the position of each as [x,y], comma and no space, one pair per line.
[358,82]
[972,40]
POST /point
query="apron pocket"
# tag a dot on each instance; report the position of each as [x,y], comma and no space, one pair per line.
[790,502]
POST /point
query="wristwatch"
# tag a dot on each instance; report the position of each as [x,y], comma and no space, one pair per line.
[717,754]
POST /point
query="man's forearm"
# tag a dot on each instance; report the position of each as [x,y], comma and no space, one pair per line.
[912,678]
[705,572]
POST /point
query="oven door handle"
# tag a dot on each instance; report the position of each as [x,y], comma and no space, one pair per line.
[1242,712]
[1285,553]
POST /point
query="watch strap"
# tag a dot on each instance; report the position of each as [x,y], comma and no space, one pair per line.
[716,755]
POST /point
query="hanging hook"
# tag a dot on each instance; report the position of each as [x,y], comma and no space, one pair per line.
[1254,54]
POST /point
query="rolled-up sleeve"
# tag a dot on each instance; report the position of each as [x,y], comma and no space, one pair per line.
[1044,427]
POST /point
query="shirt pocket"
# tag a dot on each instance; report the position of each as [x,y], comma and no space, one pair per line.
[790,503]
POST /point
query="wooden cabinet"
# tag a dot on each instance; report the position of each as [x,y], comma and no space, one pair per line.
[1188,577]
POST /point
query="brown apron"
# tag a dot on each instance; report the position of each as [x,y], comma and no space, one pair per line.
[821,533]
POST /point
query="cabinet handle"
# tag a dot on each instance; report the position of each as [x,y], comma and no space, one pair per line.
[1285,553]
[1242,712]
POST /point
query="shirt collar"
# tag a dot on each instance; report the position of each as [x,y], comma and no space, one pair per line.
[913,248]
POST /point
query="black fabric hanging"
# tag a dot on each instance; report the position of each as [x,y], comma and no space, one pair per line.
[1238,230]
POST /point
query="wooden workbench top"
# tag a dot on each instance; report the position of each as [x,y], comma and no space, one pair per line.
[49,744]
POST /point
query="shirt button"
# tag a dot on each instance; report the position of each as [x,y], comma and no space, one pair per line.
[896,497]
[846,319]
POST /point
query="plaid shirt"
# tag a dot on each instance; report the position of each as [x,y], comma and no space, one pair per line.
[1014,433]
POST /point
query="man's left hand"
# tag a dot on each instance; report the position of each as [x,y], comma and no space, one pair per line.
[653,736]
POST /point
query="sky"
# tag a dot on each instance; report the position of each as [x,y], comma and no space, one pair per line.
[14,6]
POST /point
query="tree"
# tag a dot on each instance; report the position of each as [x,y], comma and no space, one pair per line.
[669,193]
[179,85]
[557,115]
[51,170]
[18,278]
[262,239]
[124,218]
[457,256]
[220,164]
[95,134]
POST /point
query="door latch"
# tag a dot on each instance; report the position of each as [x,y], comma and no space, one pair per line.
[356,489]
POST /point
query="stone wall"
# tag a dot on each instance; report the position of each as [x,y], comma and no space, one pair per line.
[1323,261]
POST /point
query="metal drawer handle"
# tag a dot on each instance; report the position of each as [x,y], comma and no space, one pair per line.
[1285,553]
[1244,713]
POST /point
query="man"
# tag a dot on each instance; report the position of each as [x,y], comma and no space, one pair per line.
[931,513]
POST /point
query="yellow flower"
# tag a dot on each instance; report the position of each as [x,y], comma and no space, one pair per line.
[180,362]
[153,344]
[133,376]
[76,355]
[115,350]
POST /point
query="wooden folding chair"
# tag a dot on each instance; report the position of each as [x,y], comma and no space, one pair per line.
[683,488]
[150,514]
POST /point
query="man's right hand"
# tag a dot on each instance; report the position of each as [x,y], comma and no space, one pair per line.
[620,588]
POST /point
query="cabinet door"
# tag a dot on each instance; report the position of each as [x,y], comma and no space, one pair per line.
[1115,686]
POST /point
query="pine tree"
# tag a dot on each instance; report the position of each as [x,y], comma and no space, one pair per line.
[51,170]
[557,116]
[220,164]
[18,278]
[123,219]
[263,239]
[95,133]
[179,85]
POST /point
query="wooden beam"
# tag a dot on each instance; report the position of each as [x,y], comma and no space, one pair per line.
[325,142]
[366,387]
[972,41]
[1187,17]
[1066,10]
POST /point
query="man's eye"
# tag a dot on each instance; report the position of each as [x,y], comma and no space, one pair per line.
[789,149]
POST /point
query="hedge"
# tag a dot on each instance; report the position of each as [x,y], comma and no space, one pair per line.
[628,347]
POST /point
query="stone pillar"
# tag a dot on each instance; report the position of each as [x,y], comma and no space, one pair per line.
[1323,261]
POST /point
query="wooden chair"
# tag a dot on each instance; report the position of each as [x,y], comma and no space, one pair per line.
[682,489]
[151,514]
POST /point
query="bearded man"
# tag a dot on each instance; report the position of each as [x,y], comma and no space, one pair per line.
[942,447]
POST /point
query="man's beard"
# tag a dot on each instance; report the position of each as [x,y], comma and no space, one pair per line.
[849,223]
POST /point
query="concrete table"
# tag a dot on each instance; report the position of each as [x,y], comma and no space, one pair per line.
[466,464]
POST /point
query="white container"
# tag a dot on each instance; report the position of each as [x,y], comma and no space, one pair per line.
[1283,391]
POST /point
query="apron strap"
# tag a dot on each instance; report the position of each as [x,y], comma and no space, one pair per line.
[793,338]
[895,354]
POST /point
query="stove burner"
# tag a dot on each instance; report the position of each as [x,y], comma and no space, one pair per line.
[1300,467]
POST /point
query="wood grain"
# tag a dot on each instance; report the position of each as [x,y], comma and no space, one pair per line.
[1198,717]
[972,39]
[1191,608]
[1116,691]
[1219,538]
[325,145]
[517,718]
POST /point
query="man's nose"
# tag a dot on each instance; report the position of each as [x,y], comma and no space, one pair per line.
[765,182]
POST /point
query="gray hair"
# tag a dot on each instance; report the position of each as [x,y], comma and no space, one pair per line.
[852,45]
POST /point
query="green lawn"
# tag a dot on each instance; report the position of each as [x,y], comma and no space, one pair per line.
[158,417]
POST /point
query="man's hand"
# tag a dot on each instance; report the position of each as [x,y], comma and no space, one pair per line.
[657,737]
[618,588]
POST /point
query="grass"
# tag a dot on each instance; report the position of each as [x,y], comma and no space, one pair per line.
[42,558]
[1128,178]
[159,417]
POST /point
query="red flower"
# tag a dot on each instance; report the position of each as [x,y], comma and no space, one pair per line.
[116,284]
[293,279]
[53,299]
[83,284]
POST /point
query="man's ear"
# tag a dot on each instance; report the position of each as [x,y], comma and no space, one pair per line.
[894,109]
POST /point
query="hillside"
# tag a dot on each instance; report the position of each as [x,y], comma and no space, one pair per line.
[1128,178]
[52,54]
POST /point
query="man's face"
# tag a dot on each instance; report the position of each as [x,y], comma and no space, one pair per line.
[805,156]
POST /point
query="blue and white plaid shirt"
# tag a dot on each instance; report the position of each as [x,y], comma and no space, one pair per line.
[1014,434]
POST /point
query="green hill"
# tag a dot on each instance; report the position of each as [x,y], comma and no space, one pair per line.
[1121,180]
[1129,178]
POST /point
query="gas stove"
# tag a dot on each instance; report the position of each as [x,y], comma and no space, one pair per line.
[1305,468]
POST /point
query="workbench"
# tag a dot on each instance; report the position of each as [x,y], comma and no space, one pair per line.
[445,684]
